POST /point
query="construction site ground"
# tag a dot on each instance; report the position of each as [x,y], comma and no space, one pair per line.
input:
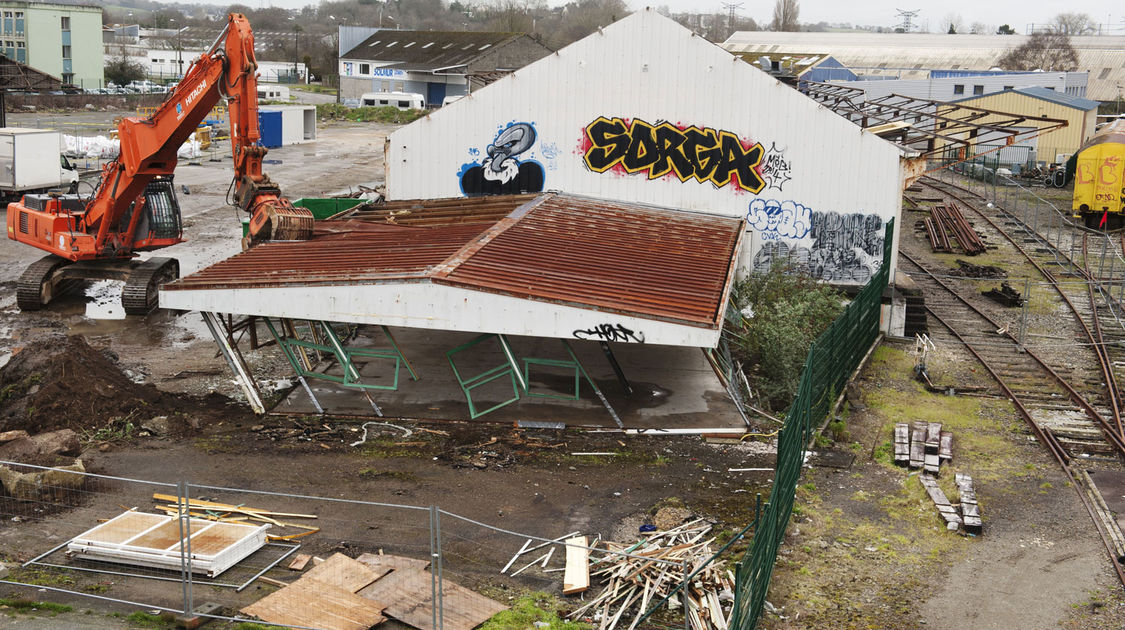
[865,549]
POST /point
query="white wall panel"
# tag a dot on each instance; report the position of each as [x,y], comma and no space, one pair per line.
[826,188]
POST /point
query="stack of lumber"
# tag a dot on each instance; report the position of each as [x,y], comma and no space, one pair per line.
[923,445]
[226,513]
[653,569]
[970,511]
[947,511]
[342,593]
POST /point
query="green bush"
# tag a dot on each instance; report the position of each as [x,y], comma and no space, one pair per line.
[783,312]
[385,114]
[529,609]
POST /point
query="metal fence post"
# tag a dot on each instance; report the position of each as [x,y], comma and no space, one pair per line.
[684,594]
[433,573]
[184,518]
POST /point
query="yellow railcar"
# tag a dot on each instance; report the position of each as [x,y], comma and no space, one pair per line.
[1099,179]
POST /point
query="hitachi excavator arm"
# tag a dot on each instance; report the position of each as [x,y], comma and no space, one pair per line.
[134,207]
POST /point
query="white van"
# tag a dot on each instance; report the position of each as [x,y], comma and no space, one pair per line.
[401,100]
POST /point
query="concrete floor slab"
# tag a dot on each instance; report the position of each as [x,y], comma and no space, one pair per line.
[673,387]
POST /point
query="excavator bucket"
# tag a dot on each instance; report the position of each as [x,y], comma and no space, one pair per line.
[277,219]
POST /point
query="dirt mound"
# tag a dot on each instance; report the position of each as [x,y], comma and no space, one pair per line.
[62,382]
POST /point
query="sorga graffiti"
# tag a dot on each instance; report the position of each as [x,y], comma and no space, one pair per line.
[501,172]
[705,154]
[845,248]
[779,219]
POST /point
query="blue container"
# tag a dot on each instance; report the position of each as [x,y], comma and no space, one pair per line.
[270,125]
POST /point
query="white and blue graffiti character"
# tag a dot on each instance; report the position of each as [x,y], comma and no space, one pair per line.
[501,172]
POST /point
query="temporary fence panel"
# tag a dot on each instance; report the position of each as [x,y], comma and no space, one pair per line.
[832,359]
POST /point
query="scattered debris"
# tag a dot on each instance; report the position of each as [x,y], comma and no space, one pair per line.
[405,432]
[223,512]
[1005,295]
[633,585]
[299,562]
[49,444]
[970,270]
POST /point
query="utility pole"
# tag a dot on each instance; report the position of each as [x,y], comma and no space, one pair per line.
[731,7]
[907,19]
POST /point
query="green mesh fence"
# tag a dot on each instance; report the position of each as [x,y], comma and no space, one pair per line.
[831,360]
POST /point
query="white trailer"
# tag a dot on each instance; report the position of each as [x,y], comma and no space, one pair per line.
[31,161]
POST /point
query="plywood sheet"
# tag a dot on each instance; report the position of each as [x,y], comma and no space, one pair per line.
[314,604]
[343,572]
[123,527]
[577,576]
[408,595]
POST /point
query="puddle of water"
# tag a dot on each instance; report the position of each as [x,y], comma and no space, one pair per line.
[104,300]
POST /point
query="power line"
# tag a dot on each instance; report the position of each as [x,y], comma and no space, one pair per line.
[731,7]
[907,19]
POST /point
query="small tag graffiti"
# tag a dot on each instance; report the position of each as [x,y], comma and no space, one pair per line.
[610,332]
[775,168]
[779,219]
[700,153]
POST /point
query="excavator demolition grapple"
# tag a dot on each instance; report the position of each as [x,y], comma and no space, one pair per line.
[134,207]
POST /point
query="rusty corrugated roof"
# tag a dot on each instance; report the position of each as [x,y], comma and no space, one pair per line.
[588,253]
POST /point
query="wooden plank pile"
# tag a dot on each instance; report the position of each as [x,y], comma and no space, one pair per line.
[226,513]
[922,445]
[655,567]
[342,593]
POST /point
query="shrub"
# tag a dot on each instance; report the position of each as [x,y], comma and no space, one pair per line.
[386,114]
[783,312]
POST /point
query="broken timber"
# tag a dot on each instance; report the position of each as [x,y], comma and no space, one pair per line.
[576,579]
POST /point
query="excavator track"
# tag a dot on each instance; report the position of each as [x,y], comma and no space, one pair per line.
[34,288]
[142,289]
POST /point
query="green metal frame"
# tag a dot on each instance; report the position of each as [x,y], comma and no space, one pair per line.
[529,361]
[344,356]
[508,368]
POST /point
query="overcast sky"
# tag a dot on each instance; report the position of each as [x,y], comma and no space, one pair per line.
[873,12]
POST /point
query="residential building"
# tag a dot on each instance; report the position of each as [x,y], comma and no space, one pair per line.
[435,64]
[62,40]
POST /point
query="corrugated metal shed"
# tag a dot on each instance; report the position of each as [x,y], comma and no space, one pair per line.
[948,88]
[1053,146]
[911,56]
[645,111]
[1051,96]
[426,50]
[551,265]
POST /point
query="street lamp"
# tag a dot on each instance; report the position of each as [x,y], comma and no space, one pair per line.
[296,50]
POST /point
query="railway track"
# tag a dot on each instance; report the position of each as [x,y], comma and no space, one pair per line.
[1073,291]
[1069,413]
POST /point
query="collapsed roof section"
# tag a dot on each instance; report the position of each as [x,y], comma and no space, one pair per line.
[925,127]
[546,265]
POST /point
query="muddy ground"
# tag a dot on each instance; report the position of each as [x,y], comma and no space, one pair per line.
[865,549]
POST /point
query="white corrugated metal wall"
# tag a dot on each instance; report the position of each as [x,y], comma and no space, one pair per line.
[826,187]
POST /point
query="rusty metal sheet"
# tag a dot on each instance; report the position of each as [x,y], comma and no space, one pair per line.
[627,258]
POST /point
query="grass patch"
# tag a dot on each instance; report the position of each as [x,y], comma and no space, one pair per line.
[529,609]
[335,111]
[40,577]
[27,606]
[149,620]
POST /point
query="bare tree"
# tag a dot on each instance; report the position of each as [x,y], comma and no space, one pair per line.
[1042,51]
[1073,24]
[980,28]
[785,13]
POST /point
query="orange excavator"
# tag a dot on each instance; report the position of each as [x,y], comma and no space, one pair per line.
[134,207]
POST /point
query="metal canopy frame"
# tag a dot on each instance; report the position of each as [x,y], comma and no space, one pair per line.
[326,342]
[926,126]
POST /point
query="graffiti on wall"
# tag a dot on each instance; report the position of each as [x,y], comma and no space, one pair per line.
[664,149]
[610,332]
[846,248]
[502,172]
[779,219]
[776,168]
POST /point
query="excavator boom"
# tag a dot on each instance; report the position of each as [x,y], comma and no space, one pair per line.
[134,207]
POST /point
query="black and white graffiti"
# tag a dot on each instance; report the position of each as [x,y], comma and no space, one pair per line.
[779,219]
[846,248]
[775,168]
[610,332]
[502,172]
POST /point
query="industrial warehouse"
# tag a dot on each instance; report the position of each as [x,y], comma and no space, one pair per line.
[660,321]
